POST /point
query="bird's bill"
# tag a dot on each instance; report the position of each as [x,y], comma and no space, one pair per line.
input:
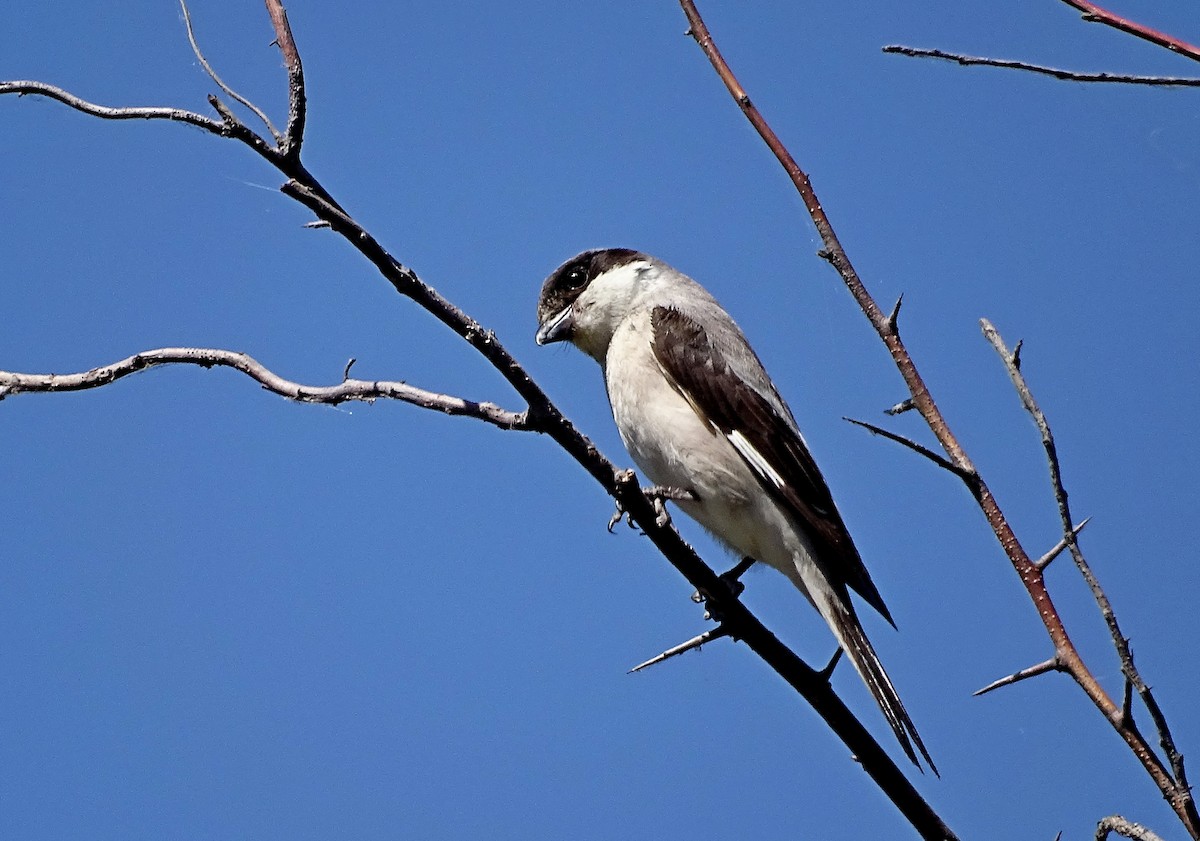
[557,328]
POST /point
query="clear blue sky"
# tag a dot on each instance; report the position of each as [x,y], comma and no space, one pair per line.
[228,616]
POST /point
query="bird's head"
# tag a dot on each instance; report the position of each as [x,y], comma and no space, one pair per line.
[585,298]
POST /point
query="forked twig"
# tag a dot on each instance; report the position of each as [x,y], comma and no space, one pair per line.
[212,74]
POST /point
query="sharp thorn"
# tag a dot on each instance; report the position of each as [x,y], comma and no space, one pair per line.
[1033,671]
[694,642]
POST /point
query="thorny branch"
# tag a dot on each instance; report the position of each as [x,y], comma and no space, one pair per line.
[1172,783]
[541,416]
[1070,532]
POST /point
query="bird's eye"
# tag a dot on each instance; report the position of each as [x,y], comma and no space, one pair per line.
[576,278]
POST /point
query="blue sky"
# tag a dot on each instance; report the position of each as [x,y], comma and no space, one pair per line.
[228,616]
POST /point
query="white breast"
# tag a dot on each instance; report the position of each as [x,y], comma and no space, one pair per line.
[672,446]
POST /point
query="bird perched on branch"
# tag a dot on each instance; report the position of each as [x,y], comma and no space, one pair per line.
[703,421]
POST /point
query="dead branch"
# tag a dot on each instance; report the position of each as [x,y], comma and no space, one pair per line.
[348,390]
[1172,787]
[1180,792]
[1057,73]
[1118,824]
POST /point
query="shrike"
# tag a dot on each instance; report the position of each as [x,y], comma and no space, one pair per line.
[699,415]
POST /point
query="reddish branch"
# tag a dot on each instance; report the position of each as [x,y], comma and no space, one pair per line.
[1066,656]
[1095,14]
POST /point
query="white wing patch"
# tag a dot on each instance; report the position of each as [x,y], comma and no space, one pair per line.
[755,458]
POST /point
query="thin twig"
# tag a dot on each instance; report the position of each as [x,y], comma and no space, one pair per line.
[237,131]
[1067,75]
[937,459]
[1045,561]
[212,74]
[1095,14]
[12,383]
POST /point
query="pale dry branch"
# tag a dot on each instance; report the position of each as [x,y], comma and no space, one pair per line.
[1057,73]
[12,383]
[1121,826]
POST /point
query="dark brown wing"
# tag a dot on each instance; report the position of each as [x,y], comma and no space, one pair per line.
[766,441]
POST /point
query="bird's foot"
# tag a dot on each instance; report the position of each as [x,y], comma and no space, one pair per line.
[658,495]
[732,580]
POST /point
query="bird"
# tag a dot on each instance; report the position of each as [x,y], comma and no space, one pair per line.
[703,421]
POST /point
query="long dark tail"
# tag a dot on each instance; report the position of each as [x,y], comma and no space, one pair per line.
[858,648]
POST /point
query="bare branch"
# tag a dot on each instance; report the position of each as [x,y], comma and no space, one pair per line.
[695,642]
[297,101]
[347,390]
[1095,14]
[1179,792]
[1066,75]
[212,74]
[1030,576]
[1051,665]
[1118,824]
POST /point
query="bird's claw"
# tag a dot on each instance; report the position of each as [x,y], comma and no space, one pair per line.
[731,579]
[658,496]
[617,516]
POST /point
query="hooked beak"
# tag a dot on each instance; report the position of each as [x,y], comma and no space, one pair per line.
[556,329]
